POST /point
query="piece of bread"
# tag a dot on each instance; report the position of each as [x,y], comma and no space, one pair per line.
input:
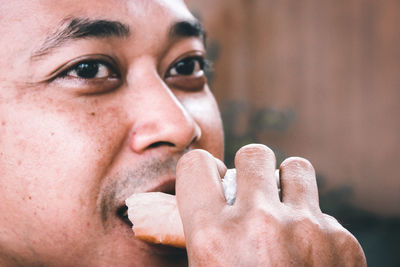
[156,218]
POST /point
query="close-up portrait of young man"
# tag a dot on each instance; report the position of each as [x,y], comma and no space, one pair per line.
[101,100]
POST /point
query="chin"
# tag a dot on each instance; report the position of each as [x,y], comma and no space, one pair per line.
[119,247]
[142,255]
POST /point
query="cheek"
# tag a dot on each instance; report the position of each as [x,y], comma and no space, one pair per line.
[204,110]
[51,166]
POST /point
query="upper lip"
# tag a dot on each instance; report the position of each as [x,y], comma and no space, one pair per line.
[167,186]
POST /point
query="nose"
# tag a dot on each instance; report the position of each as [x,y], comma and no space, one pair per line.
[161,119]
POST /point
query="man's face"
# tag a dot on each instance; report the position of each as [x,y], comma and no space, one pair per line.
[98,100]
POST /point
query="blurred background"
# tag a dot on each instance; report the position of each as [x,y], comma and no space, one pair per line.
[320,80]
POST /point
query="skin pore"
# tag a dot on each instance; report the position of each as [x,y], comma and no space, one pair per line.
[100,99]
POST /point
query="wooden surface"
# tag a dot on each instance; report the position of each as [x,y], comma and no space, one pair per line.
[335,67]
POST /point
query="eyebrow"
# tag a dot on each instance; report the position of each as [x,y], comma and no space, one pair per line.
[78,28]
[189,28]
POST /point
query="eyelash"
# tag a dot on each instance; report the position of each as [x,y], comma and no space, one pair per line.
[199,61]
[98,64]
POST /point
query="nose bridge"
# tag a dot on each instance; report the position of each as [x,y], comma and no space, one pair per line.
[160,118]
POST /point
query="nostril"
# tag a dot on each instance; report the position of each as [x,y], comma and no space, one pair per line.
[158,144]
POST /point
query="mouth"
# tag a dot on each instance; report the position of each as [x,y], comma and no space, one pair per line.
[167,187]
[122,214]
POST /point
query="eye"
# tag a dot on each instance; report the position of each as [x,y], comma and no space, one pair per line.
[191,66]
[187,74]
[90,69]
[87,75]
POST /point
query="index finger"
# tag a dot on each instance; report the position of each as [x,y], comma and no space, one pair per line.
[199,190]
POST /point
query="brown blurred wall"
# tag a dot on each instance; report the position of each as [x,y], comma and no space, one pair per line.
[336,65]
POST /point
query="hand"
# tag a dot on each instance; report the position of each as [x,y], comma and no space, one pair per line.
[259,229]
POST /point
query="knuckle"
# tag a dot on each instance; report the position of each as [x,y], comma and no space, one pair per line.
[307,223]
[343,238]
[335,229]
[255,150]
[330,219]
[254,159]
[265,221]
[297,163]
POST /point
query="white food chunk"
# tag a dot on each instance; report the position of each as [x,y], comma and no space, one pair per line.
[229,184]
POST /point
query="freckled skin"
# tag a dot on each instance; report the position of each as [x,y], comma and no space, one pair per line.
[72,149]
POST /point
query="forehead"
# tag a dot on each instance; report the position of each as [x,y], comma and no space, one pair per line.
[49,8]
[42,16]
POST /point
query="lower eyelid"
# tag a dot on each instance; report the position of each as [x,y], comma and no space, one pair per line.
[86,87]
[187,83]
